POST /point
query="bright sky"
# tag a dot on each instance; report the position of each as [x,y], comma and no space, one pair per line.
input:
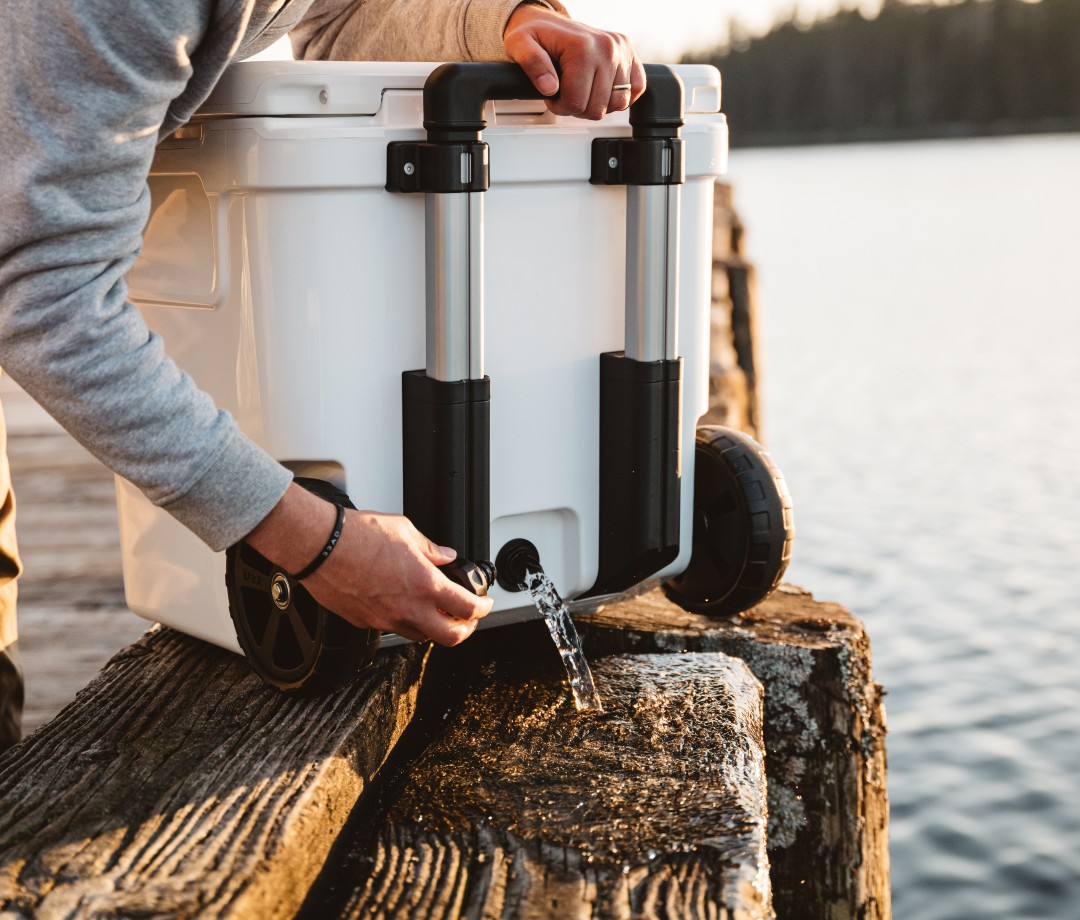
[662,30]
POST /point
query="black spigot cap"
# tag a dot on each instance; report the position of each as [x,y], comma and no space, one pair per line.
[513,563]
[477,577]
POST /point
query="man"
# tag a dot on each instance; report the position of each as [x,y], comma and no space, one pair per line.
[86,91]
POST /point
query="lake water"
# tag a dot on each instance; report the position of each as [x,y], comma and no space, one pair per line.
[921,344]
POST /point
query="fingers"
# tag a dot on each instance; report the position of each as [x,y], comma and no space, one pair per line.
[592,67]
[459,602]
[628,86]
[435,554]
[442,629]
[537,64]
[446,617]
[600,72]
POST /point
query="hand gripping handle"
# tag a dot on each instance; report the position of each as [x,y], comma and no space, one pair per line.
[455,95]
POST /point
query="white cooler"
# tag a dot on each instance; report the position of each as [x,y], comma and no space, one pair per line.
[307,298]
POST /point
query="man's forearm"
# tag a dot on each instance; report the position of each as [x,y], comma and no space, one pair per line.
[405,30]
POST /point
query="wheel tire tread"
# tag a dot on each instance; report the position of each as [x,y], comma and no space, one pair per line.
[768,508]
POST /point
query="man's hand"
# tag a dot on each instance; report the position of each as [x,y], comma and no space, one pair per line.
[381,575]
[593,62]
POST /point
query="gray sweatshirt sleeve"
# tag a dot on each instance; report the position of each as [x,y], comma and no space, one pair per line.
[84,90]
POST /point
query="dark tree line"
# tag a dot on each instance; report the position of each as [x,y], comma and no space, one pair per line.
[973,67]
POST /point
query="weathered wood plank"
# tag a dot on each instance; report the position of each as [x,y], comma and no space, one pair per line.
[824,736]
[523,807]
[177,785]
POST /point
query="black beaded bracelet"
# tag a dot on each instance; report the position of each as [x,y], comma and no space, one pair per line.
[335,535]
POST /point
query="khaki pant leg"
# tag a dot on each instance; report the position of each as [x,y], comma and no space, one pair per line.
[11,678]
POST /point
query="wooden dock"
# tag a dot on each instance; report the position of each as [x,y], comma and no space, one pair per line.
[72,614]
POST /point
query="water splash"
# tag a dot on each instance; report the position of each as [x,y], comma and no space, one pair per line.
[566,639]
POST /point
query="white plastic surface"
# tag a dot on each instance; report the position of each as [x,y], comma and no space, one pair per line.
[290,285]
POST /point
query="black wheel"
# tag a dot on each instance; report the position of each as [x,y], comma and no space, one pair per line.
[743,526]
[290,640]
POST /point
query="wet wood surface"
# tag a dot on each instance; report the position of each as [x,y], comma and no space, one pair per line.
[521,806]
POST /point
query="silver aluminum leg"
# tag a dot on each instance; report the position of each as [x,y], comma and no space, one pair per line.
[455,280]
[652,271]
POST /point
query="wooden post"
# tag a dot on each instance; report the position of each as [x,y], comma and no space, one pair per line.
[824,737]
[733,362]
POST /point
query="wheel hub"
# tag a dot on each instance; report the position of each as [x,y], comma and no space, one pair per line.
[281,591]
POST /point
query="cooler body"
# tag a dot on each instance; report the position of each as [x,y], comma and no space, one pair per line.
[290,284]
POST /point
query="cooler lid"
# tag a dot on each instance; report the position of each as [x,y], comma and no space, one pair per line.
[306,88]
[310,87]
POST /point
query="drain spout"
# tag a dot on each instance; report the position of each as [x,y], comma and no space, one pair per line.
[514,562]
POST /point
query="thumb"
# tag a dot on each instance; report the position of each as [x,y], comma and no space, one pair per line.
[531,57]
[439,555]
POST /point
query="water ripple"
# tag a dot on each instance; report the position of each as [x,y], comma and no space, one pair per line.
[921,330]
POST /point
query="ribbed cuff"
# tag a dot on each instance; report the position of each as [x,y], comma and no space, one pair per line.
[240,488]
[485,22]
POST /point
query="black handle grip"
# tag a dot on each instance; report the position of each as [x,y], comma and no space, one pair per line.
[658,112]
[455,94]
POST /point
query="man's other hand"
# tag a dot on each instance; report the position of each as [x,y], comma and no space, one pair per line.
[596,66]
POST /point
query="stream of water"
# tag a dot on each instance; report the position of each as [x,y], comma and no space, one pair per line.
[566,639]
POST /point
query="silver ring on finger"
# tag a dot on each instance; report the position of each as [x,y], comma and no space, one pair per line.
[620,88]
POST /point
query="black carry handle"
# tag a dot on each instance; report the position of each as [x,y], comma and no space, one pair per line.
[455,95]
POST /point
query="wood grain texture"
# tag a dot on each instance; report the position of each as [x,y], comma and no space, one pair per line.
[177,785]
[824,735]
[524,807]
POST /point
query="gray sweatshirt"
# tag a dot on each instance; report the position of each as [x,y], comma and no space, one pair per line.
[87,87]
